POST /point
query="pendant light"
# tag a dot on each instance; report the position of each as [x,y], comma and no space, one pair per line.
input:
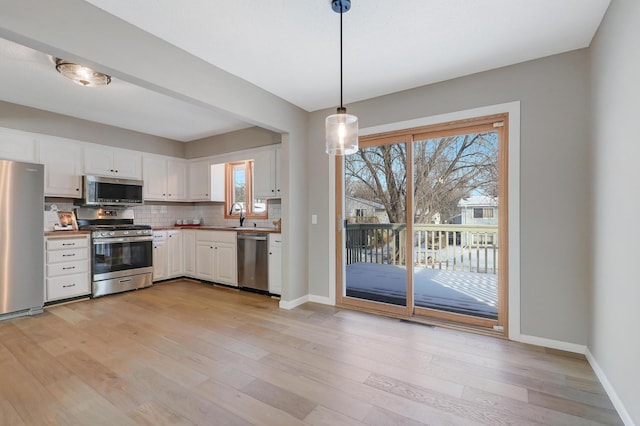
[341,129]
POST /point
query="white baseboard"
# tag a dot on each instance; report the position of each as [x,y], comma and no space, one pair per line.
[320,299]
[304,299]
[549,343]
[611,392]
[294,303]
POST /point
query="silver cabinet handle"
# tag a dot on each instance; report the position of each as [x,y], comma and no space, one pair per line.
[69,285]
[68,255]
[68,267]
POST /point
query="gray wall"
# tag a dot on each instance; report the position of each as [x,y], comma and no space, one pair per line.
[554,175]
[614,341]
[38,121]
[229,142]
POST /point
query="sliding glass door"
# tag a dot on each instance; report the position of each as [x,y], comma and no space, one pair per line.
[422,222]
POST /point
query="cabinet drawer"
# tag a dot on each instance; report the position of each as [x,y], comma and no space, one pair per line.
[67,255]
[67,243]
[67,268]
[68,286]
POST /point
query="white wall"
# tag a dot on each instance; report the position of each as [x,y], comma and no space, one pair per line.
[554,179]
[613,342]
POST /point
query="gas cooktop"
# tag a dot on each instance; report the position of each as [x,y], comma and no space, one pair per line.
[119,227]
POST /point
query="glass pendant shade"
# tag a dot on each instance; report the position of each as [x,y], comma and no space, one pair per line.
[341,133]
[81,75]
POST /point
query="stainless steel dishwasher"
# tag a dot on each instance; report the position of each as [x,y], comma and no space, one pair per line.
[253,261]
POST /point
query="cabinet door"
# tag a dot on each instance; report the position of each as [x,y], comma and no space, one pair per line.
[277,165]
[155,179]
[275,263]
[98,161]
[127,164]
[159,260]
[18,146]
[204,260]
[225,263]
[176,180]
[217,182]
[189,251]
[264,180]
[62,168]
[175,254]
[199,181]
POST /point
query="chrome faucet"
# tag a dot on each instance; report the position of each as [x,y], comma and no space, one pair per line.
[241,212]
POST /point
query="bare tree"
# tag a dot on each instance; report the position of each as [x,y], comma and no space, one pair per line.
[382,170]
[445,170]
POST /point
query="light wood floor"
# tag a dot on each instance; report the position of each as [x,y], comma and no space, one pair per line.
[184,353]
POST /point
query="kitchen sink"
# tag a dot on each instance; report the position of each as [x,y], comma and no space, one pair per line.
[238,228]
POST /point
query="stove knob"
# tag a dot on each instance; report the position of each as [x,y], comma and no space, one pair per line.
[111,233]
[103,234]
[139,232]
[125,233]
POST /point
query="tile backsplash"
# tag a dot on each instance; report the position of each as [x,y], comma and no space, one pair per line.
[163,215]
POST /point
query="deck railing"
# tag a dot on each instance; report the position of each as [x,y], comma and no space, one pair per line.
[467,248]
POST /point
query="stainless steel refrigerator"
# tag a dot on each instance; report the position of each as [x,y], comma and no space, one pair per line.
[21,238]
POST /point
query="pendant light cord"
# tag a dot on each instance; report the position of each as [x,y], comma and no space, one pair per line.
[341,9]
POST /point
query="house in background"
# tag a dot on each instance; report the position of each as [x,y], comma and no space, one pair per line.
[359,210]
[477,210]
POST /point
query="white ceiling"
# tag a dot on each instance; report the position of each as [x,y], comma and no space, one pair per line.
[291,49]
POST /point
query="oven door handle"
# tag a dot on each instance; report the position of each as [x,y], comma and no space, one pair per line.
[121,240]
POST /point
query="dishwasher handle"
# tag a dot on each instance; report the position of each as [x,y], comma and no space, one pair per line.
[255,237]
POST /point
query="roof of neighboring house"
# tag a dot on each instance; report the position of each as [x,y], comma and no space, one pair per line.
[375,205]
[478,201]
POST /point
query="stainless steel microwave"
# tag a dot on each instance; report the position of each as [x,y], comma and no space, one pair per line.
[108,191]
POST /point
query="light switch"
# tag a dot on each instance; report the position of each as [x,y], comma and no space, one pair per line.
[314,219]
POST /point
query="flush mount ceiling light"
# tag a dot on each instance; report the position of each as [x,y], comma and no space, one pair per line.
[80,74]
[341,129]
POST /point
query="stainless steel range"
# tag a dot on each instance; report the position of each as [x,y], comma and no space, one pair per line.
[121,253]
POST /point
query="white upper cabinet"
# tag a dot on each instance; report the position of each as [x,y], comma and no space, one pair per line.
[217,182]
[277,165]
[62,161]
[266,182]
[18,146]
[164,180]
[155,178]
[177,172]
[199,181]
[105,161]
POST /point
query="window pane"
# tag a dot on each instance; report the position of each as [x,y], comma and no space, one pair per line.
[375,209]
[239,184]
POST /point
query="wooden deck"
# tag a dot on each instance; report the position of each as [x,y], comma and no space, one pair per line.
[185,353]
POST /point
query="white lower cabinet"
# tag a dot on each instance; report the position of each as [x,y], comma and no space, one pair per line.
[67,267]
[160,265]
[189,252]
[202,254]
[175,257]
[275,263]
[215,256]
